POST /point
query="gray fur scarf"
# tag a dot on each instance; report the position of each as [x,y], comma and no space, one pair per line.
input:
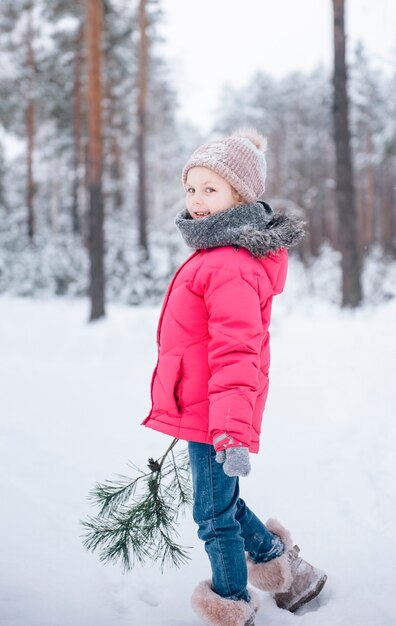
[252,226]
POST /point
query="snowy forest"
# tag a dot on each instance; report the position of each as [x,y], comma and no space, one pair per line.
[142,143]
[93,139]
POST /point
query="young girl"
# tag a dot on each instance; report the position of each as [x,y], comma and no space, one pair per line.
[211,380]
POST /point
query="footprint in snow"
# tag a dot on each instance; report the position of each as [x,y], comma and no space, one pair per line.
[148,598]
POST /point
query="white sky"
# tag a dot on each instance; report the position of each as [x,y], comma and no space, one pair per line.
[211,42]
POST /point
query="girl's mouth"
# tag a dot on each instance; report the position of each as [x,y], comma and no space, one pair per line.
[201,213]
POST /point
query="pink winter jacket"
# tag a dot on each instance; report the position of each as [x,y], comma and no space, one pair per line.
[213,346]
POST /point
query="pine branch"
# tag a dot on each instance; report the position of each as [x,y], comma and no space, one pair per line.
[112,494]
[138,525]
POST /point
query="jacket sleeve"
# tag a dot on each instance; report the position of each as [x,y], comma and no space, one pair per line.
[235,340]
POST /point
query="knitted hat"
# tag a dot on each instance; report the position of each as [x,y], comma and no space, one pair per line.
[238,159]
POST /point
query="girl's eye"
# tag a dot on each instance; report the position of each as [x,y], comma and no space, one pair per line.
[189,190]
[210,189]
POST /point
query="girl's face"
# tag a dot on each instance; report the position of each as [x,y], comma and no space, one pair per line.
[208,193]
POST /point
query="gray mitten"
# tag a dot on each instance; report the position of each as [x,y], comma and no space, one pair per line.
[235,461]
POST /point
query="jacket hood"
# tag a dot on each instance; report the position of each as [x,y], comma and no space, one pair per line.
[254,227]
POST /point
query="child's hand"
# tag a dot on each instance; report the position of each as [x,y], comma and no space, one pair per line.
[235,461]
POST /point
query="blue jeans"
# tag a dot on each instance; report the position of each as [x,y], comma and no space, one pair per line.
[226,525]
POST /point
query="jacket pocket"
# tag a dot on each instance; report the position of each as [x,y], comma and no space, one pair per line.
[165,385]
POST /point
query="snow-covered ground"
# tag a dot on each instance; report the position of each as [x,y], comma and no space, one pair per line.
[72,397]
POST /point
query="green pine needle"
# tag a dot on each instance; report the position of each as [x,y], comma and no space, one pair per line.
[137,521]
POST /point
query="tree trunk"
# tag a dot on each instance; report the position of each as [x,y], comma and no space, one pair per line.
[77,121]
[369,231]
[351,285]
[115,155]
[387,216]
[141,126]
[30,111]
[94,20]
[366,192]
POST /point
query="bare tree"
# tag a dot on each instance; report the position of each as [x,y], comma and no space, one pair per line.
[30,110]
[388,205]
[141,125]
[94,22]
[115,153]
[78,157]
[345,192]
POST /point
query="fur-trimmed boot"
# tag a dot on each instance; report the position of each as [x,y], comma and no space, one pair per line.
[292,580]
[218,611]
[308,582]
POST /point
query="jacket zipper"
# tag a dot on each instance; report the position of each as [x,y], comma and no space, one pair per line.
[168,294]
[160,320]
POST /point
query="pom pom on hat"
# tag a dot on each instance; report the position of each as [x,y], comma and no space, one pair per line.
[239,159]
[248,132]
